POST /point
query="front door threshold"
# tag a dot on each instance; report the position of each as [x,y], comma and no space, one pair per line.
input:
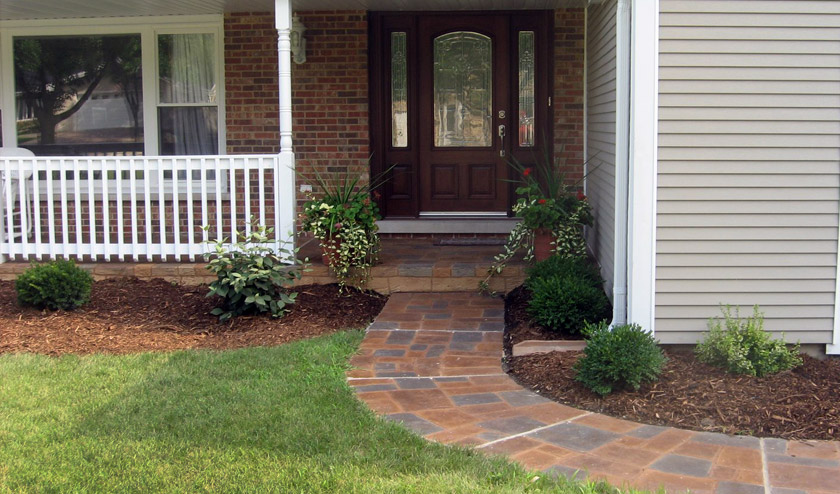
[445,225]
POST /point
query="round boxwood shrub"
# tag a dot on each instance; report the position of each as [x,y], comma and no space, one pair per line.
[566,303]
[54,285]
[566,293]
[625,356]
[566,266]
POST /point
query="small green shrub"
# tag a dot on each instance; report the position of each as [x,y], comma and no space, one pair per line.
[741,346]
[249,273]
[58,284]
[625,356]
[566,293]
[566,266]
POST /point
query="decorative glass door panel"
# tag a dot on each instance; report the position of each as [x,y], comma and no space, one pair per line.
[463,90]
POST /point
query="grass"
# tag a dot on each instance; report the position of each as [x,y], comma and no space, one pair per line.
[255,420]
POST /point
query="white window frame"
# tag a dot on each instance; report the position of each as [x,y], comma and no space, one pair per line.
[148,28]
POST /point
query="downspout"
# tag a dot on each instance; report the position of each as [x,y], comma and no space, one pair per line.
[284,195]
[622,161]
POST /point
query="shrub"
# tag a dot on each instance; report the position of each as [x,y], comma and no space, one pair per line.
[58,284]
[625,357]
[566,293]
[249,273]
[563,266]
[741,346]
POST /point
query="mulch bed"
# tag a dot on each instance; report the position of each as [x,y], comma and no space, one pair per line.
[130,315]
[803,403]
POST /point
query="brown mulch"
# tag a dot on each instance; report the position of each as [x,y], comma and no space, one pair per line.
[130,315]
[803,403]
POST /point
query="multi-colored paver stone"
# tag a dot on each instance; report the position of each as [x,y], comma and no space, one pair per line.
[432,361]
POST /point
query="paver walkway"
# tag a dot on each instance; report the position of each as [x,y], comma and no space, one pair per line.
[433,362]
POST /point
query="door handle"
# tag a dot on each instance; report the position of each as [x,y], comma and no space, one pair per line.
[502,140]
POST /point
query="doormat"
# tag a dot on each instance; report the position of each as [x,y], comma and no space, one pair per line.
[469,242]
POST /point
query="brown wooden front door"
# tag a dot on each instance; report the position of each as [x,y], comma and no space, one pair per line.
[455,97]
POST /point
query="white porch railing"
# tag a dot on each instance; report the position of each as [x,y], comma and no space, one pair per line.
[138,208]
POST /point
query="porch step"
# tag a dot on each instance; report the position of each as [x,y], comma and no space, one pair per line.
[422,265]
[406,265]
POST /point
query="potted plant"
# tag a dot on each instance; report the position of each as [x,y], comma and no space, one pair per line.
[343,219]
[553,215]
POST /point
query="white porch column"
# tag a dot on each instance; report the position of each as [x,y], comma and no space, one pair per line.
[285,196]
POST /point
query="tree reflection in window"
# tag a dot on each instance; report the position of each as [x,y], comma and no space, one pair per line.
[79,95]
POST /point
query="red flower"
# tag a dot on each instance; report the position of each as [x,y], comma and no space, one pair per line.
[541,201]
[581,196]
[366,202]
[376,195]
[526,172]
[337,226]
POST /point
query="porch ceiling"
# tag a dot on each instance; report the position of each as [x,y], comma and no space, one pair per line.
[63,9]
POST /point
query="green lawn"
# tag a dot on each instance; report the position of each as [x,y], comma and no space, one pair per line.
[256,420]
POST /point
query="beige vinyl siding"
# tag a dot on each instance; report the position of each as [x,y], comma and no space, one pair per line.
[749,164]
[601,132]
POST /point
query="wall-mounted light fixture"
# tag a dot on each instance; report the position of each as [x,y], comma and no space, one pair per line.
[298,41]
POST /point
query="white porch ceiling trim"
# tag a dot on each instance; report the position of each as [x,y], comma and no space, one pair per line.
[14,10]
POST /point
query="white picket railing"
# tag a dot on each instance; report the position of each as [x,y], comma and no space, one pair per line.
[138,208]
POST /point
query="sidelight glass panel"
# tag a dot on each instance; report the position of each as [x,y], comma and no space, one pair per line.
[463,90]
[399,91]
[526,88]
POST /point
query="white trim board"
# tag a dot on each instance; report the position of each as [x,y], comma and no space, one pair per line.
[644,114]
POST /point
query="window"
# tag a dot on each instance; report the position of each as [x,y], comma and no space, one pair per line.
[114,87]
[188,112]
[79,95]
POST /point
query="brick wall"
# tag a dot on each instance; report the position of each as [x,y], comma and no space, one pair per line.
[330,96]
[329,91]
[251,93]
[567,102]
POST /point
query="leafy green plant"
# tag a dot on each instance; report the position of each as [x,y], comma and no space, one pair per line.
[625,356]
[58,284]
[250,273]
[566,293]
[343,219]
[741,346]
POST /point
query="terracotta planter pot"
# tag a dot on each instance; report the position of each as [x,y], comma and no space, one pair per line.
[325,258]
[542,244]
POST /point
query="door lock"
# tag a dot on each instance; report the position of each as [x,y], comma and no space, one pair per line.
[502,114]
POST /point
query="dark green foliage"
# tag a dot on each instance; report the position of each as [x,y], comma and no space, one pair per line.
[249,273]
[565,266]
[625,357]
[741,346]
[566,293]
[58,284]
